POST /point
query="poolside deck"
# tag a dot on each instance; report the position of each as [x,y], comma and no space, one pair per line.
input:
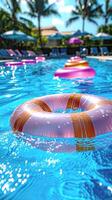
[101,57]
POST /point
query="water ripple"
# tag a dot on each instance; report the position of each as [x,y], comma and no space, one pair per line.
[40,168]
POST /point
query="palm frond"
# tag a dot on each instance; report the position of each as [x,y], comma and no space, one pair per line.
[74,12]
[93,21]
[30,14]
[31,6]
[109,12]
[28,22]
[71,20]
[51,10]
[8,5]
[97,10]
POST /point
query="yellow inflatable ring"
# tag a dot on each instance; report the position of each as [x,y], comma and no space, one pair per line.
[76,64]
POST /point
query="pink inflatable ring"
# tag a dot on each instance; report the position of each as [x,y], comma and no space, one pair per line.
[74,59]
[38,117]
[40,59]
[28,61]
[9,64]
[75,72]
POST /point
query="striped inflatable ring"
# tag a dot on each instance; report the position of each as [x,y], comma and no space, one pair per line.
[76,63]
[38,116]
[75,58]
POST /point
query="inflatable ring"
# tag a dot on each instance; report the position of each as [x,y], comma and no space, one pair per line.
[13,64]
[75,72]
[28,61]
[38,117]
[74,59]
[40,59]
[76,63]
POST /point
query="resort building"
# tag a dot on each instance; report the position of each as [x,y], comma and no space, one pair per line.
[46,31]
[49,31]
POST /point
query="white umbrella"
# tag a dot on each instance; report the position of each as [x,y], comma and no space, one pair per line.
[102,36]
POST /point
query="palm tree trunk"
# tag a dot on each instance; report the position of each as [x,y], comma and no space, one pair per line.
[106,11]
[14,21]
[39,31]
[106,20]
[83,24]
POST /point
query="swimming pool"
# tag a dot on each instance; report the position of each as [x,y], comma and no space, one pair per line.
[30,173]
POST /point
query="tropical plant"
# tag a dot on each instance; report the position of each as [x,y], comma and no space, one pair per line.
[13,9]
[5,21]
[39,9]
[9,17]
[108,11]
[105,29]
[87,10]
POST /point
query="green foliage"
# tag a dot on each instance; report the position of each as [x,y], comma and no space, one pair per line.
[105,29]
[5,21]
[86,9]
[13,8]
[107,11]
[44,41]
[9,19]
[39,9]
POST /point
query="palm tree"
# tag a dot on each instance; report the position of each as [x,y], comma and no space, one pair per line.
[5,20]
[87,10]
[39,9]
[13,9]
[107,12]
[9,16]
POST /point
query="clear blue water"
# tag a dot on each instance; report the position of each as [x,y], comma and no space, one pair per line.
[42,173]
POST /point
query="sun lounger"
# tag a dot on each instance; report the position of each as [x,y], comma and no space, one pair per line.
[24,53]
[63,51]
[18,53]
[31,53]
[83,51]
[12,53]
[4,54]
[94,51]
[104,51]
[54,52]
